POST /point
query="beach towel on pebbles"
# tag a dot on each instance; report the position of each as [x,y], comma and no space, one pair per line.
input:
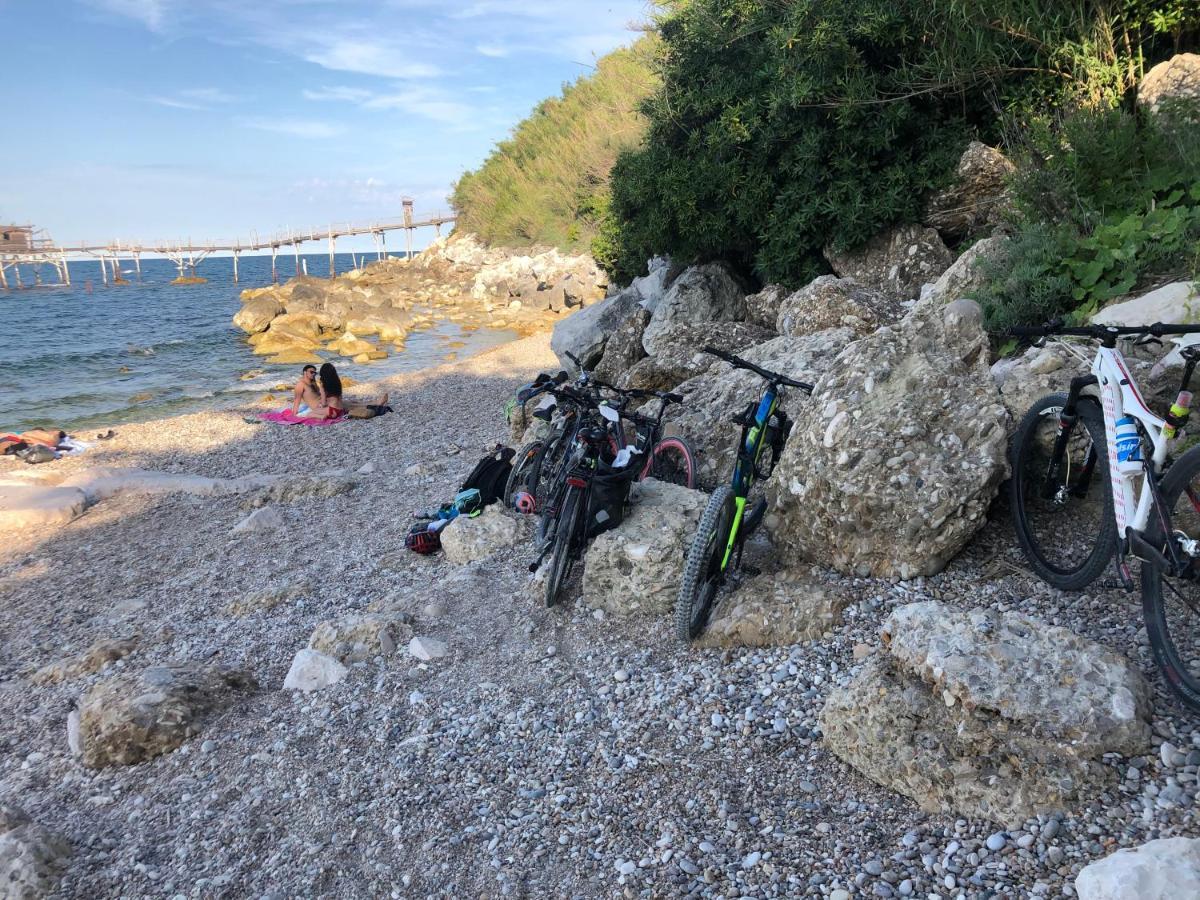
[286,417]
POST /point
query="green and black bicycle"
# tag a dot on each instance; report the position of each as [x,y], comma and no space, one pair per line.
[726,523]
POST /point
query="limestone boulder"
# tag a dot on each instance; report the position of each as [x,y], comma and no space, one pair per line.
[634,569]
[389,322]
[651,287]
[707,293]
[896,263]
[976,199]
[586,331]
[774,611]
[136,716]
[967,275]
[256,314]
[312,670]
[763,308]
[298,326]
[985,714]
[681,355]
[1173,85]
[893,463]
[466,540]
[32,858]
[1165,869]
[350,345]
[624,349]
[1025,379]
[1177,303]
[91,660]
[27,507]
[712,399]
[832,302]
[356,637]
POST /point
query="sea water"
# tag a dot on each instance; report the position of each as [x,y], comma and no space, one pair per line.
[87,355]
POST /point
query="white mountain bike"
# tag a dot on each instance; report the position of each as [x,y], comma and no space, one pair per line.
[1091,476]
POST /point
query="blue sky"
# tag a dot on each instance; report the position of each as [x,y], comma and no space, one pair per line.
[167,119]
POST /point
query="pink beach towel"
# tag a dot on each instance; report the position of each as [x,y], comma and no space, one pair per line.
[286,417]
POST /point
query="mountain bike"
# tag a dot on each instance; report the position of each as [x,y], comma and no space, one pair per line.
[726,524]
[1092,479]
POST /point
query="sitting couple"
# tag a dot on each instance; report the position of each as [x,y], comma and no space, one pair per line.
[319,396]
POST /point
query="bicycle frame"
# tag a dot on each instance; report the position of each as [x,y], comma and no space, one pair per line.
[749,450]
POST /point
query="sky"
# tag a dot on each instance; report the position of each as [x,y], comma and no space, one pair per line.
[212,119]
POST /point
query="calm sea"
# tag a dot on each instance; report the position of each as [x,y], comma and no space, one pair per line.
[87,355]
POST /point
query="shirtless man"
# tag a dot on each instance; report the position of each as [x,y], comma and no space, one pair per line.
[305,397]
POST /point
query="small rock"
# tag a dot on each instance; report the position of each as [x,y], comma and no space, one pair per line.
[312,670]
[427,648]
[262,519]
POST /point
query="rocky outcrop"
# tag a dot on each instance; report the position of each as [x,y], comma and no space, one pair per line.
[774,611]
[634,569]
[136,716]
[976,200]
[682,355]
[711,400]
[624,349]
[832,302]
[467,540]
[896,263]
[360,636]
[585,333]
[1173,85]
[1025,379]
[707,293]
[967,275]
[91,660]
[981,713]
[256,313]
[893,463]
[763,308]
[32,858]
[1165,869]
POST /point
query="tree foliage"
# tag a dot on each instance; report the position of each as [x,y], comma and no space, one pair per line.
[548,183]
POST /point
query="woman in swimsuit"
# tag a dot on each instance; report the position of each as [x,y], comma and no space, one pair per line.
[330,386]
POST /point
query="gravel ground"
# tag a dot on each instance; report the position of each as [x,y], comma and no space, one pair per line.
[552,753]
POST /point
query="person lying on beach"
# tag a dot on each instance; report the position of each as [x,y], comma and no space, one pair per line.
[330,405]
[306,397]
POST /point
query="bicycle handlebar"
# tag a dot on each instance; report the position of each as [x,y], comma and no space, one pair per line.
[1158,329]
[739,363]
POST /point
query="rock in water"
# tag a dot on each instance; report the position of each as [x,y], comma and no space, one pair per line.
[312,670]
[635,568]
[831,302]
[712,399]
[896,262]
[774,611]
[136,716]
[707,293]
[1166,869]
[31,858]
[256,314]
[466,539]
[894,460]
[978,713]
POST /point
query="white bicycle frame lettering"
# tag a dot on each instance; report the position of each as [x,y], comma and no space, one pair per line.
[1119,397]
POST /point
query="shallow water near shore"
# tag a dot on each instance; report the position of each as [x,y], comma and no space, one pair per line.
[87,355]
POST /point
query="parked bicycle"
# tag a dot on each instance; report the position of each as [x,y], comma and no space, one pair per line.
[726,524]
[1092,478]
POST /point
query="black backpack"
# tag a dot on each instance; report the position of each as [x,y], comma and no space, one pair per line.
[490,474]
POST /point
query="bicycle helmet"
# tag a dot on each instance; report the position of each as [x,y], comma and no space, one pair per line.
[523,501]
[421,540]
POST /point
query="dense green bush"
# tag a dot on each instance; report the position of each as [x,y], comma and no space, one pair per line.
[548,184]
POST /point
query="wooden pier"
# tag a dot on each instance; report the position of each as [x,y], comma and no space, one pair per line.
[24,245]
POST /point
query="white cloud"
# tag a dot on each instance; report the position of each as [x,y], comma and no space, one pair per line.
[194,98]
[151,13]
[493,50]
[303,128]
[369,57]
[341,94]
[426,101]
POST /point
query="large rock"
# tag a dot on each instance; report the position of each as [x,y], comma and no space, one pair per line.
[897,262]
[586,331]
[712,399]
[707,293]
[1177,303]
[681,355]
[359,636]
[763,308]
[624,347]
[136,716]
[1165,869]
[466,539]
[31,507]
[635,568]
[91,660]
[892,465]
[773,611]
[32,859]
[832,302]
[654,284]
[256,314]
[976,199]
[389,322]
[980,713]
[968,274]
[1174,84]
[312,670]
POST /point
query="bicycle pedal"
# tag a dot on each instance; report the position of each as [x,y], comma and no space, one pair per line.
[1125,576]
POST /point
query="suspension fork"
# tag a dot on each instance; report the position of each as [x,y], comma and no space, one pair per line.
[1067,418]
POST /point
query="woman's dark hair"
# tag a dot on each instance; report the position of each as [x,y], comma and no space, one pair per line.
[330,380]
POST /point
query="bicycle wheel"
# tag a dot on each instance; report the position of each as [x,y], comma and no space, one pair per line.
[672,460]
[564,532]
[702,573]
[1171,605]
[524,468]
[1065,526]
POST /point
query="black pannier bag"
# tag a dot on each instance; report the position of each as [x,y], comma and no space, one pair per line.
[608,496]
